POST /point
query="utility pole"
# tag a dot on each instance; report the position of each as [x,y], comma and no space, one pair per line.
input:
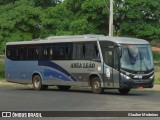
[111,19]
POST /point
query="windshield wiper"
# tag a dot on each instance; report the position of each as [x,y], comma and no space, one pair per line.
[145,64]
[131,58]
[143,61]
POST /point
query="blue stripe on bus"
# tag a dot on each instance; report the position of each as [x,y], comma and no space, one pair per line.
[54,74]
[55,66]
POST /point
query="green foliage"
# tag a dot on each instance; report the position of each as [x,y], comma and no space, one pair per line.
[4,2]
[2,70]
[46,3]
[55,21]
[157,73]
[19,21]
[30,19]
[141,18]
[90,16]
[156,56]
[82,26]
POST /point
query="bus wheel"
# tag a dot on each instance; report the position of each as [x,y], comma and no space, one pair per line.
[96,86]
[124,91]
[63,88]
[37,83]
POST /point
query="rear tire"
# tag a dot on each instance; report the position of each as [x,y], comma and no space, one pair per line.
[63,88]
[96,86]
[124,91]
[37,83]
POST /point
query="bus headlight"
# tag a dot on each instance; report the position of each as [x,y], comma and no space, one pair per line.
[152,77]
[125,76]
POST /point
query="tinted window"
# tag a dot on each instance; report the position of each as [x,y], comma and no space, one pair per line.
[116,58]
[31,52]
[63,51]
[110,54]
[85,51]
[56,51]
[13,52]
[23,52]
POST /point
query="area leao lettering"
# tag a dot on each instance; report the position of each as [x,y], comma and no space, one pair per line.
[82,65]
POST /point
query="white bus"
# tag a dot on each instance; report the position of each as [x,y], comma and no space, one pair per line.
[96,61]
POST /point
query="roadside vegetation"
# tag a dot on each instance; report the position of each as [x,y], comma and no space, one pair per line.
[157,74]
[2,70]
[156,56]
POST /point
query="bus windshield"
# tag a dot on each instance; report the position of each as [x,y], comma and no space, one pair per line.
[136,57]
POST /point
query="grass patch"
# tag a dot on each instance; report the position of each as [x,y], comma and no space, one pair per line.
[157,77]
[15,85]
[157,74]
[2,70]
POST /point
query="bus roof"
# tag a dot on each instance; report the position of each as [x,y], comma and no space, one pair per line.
[80,38]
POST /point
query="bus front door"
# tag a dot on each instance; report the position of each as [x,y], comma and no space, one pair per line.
[111,64]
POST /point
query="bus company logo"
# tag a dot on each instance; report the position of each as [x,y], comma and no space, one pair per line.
[82,65]
[6,114]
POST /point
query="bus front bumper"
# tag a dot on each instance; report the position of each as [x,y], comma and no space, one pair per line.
[137,84]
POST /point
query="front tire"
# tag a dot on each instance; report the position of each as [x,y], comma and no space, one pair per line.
[96,86]
[37,83]
[124,91]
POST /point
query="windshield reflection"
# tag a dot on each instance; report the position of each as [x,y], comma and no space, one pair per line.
[136,57]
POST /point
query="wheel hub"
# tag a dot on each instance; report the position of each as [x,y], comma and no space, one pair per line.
[96,85]
[37,83]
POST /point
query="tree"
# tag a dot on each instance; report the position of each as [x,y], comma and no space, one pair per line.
[139,18]
[4,2]
[19,21]
[56,21]
[90,16]
[46,3]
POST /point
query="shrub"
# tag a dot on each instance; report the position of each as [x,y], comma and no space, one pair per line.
[156,56]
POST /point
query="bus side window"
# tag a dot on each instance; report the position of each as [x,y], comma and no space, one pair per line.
[18,52]
[85,51]
[8,52]
[36,53]
[15,53]
[96,52]
[91,51]
[43,51]
[51,52]
[108,57]
[21,52]
[62,51]
[78,51]
[116,57]
[59,52]
[68,52]
[32,53]
[29,53]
